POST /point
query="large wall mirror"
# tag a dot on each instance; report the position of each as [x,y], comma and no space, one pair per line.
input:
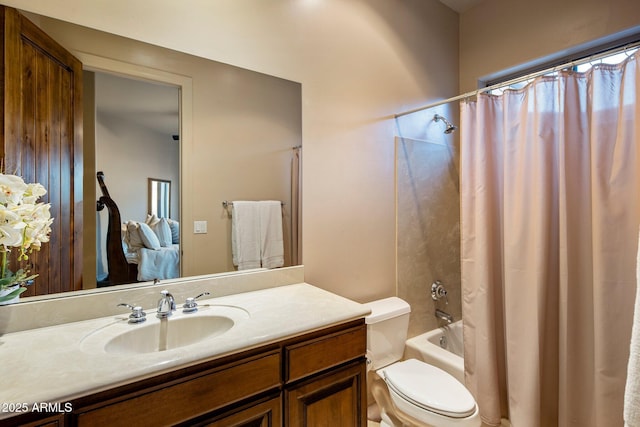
[237,137]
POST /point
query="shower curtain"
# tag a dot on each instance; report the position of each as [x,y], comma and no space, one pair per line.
[550,190]
[296,206]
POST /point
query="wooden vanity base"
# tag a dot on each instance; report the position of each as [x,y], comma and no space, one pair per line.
[316,379]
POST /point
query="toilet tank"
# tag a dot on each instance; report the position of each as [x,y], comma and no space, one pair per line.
[387,327]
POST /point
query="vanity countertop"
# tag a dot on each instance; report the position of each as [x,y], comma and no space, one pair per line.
[59,363]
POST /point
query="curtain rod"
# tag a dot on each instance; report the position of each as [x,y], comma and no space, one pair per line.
[524,78]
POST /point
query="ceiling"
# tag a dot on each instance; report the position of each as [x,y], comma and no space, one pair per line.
[152,105]
[461,6]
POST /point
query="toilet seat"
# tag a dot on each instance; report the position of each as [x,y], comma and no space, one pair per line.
[420,390]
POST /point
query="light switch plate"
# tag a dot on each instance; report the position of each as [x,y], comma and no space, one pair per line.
[199,227]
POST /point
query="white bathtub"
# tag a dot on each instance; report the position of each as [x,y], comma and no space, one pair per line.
[440,347]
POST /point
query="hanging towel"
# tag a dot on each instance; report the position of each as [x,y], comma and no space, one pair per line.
[245,235]
[272,243]
[632,389]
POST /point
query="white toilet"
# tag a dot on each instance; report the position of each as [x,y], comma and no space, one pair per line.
[410,392]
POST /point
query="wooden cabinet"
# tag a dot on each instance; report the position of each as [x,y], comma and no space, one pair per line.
[190,398]
[316,379]
[315,394]
[257,414]
[54,421]
[335,399]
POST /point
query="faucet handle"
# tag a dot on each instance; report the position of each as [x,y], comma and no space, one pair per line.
[137,315]
[190,305]
[438,291]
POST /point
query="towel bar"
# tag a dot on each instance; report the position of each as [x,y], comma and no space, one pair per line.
[226,204]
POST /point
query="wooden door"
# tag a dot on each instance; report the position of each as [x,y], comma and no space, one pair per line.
[42,142]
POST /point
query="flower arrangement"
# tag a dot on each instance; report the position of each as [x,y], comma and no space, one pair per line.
[25,224]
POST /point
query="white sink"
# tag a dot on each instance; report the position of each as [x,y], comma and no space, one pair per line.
[179,332]
[154,335]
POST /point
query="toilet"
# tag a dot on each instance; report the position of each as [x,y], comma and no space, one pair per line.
[410,392]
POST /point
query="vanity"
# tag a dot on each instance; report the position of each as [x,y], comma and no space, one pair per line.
[291,355]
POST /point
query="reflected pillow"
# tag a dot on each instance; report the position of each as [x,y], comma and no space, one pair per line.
[152,220]
[148,236]
[163,231]
[132,237]
[175,231]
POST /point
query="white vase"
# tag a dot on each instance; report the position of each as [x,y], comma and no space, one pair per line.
[7,291]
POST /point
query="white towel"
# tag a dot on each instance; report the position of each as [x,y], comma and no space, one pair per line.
[256,234]
[632,389]
[245,235]
[272,244]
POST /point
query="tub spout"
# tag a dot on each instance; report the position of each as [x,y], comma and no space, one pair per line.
[444,316]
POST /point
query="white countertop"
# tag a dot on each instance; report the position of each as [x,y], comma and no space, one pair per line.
[59,363]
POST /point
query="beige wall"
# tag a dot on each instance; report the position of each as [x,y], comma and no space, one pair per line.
[500,34]
[358,61]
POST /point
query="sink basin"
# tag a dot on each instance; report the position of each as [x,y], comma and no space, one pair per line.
[155,335]
[168,334]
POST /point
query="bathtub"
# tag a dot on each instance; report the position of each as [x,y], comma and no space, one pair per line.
[440,347]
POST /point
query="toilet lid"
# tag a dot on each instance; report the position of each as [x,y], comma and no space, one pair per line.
[430,388]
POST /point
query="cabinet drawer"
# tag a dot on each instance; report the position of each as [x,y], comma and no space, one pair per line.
[325,352]
[189,399]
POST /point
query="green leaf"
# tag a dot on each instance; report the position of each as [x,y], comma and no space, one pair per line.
[12,294]
[7,281]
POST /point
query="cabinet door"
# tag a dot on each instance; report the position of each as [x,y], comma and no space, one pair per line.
[266,414]
[42,142]
[337,399]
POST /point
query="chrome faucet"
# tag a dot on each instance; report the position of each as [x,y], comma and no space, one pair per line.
[166,305]
[438,292]
[444,316]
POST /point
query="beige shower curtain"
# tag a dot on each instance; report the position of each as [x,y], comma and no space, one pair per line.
[550,188]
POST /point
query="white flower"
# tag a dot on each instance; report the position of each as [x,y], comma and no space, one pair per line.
[33,192]
[12,189]
[10,236]
[24,223]
[38,226]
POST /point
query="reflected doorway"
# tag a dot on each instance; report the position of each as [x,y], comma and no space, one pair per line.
[137,127]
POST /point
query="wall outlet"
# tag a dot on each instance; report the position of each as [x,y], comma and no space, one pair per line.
[199,227]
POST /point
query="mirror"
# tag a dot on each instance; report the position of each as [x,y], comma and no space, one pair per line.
[237,136]
[159,198]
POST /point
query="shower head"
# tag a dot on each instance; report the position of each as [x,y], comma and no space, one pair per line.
[450,128]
